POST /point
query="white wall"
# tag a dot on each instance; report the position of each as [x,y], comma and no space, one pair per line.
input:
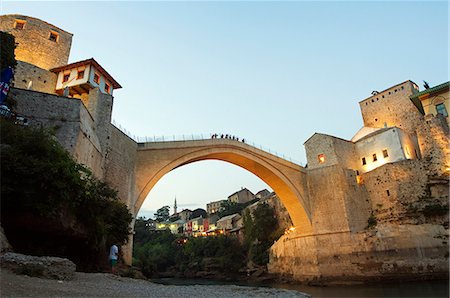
[73,81]
[103,80]
[394,140]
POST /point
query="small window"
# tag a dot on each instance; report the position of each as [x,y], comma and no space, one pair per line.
[321,158]
[19,25]
[374,157]
[53,36]
[385,153]
[364,161]
[387,192]
[66,77]
[440,109]
[107,87]
[80,74]
[96,78]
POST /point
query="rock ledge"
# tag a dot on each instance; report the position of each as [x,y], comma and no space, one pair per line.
[47,267]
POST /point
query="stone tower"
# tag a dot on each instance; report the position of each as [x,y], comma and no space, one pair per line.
[175,206]
[38,42]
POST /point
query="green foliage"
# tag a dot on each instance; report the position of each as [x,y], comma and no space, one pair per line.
[7,46]
[372,221]
[261,231]
[156,251]
[435,210]
[197,213]
[162,214]
[225,252]
[40,178]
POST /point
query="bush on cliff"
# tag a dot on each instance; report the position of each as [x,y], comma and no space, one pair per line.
[52,205]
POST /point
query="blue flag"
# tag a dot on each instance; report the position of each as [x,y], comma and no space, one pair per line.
[5,80]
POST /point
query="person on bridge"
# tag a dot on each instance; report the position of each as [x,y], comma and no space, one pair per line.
[113,256]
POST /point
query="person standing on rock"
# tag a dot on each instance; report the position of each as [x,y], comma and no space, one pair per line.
[113,255]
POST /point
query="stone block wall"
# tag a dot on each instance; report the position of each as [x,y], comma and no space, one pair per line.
[70,121]
[120,158]
[33,41]
[433,138]
[391,252]
[335,151]
[52,112]
[327,193]
[393,188]
[392,107]
[42,80]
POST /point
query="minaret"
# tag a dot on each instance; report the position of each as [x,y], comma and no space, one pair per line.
[175,206]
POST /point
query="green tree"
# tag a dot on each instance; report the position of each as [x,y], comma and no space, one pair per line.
[162,214]
[261,231]
[7,46]
[55,203]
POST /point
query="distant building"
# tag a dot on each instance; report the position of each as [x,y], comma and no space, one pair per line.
[211,223]
[229,222]
[433,101]
[262,194]
[241,196]
[173,227]
[185,214]
[214,207]
[150,224]
[194,227]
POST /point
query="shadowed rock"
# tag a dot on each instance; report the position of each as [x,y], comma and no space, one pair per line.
[47,267]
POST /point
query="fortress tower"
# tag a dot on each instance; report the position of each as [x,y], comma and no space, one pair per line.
[39,43]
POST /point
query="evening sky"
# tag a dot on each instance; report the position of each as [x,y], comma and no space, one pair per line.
[272,72]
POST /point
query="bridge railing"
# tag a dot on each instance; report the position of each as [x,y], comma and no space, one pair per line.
[198,137]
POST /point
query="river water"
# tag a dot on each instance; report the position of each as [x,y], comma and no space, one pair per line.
[433,289]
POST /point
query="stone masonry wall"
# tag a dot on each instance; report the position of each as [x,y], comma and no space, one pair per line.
[42,80]
[391,252]
[326,188]
[120,158]
[433,138]
[52,112]
[393,188]
[392,107]
[33,43]
[335,151]
[68,118]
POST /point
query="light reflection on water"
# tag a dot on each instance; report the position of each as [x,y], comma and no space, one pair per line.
[439,288]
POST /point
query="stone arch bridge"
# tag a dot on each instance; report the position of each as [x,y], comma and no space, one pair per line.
[287,179]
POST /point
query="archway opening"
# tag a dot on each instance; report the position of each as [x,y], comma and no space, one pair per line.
[197,184]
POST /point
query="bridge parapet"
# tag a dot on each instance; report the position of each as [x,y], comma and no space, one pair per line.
[167,142]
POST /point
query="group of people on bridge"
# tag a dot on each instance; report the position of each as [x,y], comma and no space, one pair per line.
[227,136]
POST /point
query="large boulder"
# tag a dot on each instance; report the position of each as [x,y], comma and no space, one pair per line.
[47,267]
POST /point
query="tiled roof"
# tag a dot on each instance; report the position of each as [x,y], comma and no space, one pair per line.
[92,61]
[430,91]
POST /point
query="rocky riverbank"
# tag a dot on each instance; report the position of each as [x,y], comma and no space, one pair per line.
[108,285]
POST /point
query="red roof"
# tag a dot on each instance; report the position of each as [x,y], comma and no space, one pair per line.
[92,61]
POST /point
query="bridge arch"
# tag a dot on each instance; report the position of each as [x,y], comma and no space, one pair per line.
[287,179]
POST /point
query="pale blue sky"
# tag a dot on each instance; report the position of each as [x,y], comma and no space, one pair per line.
[272,72]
